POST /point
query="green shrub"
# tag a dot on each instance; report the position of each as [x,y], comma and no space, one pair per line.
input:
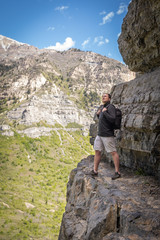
[74,125]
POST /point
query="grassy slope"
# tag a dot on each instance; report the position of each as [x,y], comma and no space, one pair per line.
[36,171]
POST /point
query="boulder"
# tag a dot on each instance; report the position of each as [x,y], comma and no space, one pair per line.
[139,42]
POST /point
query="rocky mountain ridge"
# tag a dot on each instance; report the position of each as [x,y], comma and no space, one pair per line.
[8,47]
[46,85]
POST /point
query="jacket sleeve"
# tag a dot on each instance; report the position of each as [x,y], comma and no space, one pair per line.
[100,108]
[110,114]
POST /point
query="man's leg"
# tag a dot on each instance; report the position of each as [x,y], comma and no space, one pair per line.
[115,157]
[97,159]
[98,146]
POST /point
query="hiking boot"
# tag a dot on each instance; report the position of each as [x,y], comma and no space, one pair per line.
[116,175]
[93,173]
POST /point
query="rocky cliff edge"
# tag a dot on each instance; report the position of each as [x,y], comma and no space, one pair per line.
[102,209]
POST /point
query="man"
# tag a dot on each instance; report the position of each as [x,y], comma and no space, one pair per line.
[105,138]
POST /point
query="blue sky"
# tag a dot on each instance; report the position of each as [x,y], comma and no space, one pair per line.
[89,25]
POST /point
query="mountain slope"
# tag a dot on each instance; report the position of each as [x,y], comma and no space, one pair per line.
[33,175]
[47,102]
[79,77]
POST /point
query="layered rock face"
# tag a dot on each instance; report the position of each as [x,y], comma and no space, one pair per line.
[50,107]
[138,142]
[139,42]
[139,100]
[102,209]
[139,139]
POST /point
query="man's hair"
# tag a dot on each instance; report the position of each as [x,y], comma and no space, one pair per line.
[109,95]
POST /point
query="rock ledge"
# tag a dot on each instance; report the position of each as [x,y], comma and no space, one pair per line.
[100,208]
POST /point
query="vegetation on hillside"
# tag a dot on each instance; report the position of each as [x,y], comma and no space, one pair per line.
[34,175]
[80,96]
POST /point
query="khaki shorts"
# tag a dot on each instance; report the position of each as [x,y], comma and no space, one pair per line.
[107,143]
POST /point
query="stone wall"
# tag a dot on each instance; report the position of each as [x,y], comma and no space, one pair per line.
[139,44]
[140,136]
[138,142]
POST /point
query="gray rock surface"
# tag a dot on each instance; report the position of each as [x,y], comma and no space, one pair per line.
[139,42]
[5,130]
[138,142]
[100,208]
[50,107]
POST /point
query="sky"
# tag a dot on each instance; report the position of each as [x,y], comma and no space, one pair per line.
[88,25]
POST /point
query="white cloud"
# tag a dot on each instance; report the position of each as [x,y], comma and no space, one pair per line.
[50,28]
[99,40]
[122,8]
[119,34]
[107,18]
[69,43]
[109,54]
[85,42]
[102,13]
[61,9]
[100,43]
[107,40]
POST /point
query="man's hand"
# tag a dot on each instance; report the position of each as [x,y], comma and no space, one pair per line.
[104,109]
[99,111]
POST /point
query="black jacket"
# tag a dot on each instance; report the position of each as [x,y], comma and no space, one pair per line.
[106,120]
